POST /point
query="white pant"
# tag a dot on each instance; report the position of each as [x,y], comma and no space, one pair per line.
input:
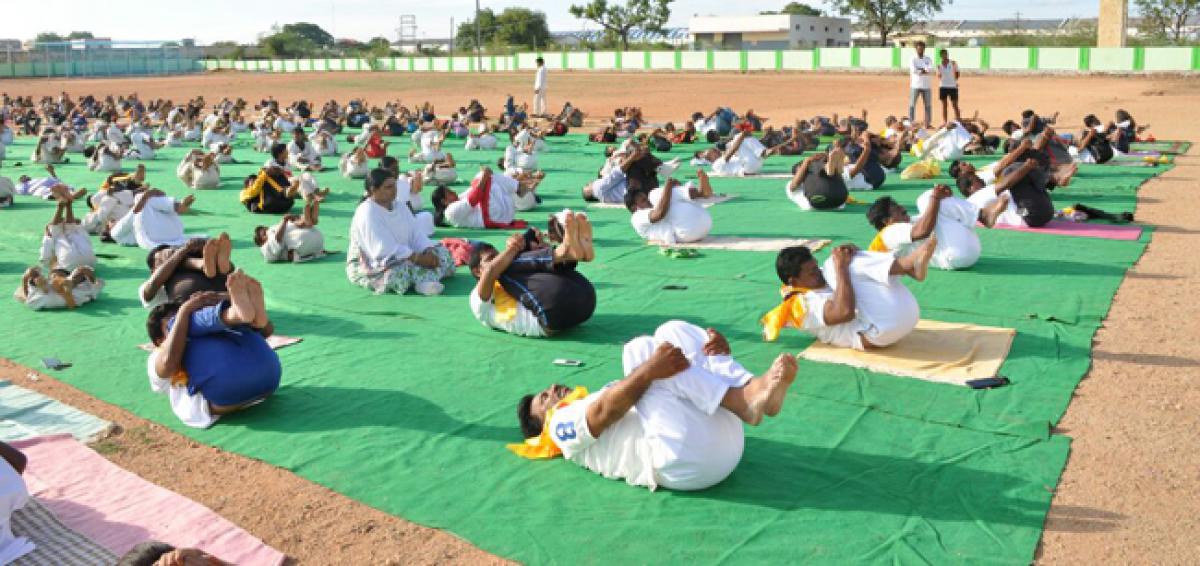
[67,247]
[539,102]
[695,442]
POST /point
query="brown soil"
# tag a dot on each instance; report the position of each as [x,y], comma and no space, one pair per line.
[1128,494]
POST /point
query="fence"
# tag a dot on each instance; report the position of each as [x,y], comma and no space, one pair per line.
[1011,59]
[100,58]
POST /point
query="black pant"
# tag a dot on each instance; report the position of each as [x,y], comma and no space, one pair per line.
[558,295]
[1032,199]
[822,191]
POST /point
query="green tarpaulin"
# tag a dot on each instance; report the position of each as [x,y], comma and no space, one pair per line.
[405,403]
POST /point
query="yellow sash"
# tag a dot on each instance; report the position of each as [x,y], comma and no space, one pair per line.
[877,244]
[255,190]
[790,313]
[506,305]
[180,378]
[542,447]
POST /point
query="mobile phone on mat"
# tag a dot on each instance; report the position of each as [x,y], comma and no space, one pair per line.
[988,382]
[568,363]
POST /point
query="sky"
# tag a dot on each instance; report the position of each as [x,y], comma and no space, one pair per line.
[238,20]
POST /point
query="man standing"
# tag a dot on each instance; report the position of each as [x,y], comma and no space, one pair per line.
[947,72]
[539,88]
[920,71]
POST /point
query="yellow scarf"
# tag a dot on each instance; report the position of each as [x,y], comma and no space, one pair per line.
[180,378]
[877,244]
[255,190]
[789,313]
[542,447]
[506,305]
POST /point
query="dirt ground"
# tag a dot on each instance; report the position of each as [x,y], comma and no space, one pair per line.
[1128,494]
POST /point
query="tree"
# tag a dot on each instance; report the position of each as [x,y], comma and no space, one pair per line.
[648,15]
[464,38]
[522,27]
[796,9]
[295,40]
[80,35]
[514,27]
[1166,19]
[888,16]
[48,37]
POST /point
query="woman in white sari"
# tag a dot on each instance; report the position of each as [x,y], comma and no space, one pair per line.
[388,252]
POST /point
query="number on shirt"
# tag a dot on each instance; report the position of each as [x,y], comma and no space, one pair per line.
[565,431]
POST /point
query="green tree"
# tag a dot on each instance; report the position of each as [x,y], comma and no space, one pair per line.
[796,9]
[48,37]
[522,27]
[80,35]
[464,38]
[889,16]
[295,40]
[1165,19]
[514,27]
[648,15]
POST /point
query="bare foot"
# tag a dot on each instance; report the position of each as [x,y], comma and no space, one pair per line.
[584,228]
[224,249]
[186,203]
[571,247]
[241,307]
[209,256]
[989,215]
[778,378]
[255,290]
[921,258]
[78,194]
[705,186]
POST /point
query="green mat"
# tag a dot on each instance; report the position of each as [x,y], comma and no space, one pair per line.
[405,403]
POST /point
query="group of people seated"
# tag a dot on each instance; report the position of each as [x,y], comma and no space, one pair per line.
[676,417]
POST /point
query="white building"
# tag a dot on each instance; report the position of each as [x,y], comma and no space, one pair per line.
[777,31]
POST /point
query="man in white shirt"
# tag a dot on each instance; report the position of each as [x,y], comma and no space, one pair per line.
[855,301]
[13,496]
[941,214]
[668,215]
[295,238]
[674,421]
[539,88]
[920,72]
[531,289]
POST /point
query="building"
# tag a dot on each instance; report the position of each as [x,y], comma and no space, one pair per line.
[776,31]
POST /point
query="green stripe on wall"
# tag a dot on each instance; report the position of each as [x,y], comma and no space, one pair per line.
[855,57]
[816,59]
[564,60]
[985,58]
[896,64]
[678,60]
[1033,58]
[778,59]
[646,60]
[618,64]
[1196,58]
[1139,58]
[744,61]
[709,60]
[1085,58]
[591,59]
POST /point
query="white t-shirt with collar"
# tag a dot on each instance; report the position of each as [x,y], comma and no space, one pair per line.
[193,410]
[622,452]
[523,322]
[919,81]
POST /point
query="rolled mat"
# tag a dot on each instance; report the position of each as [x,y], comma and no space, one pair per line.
[944,352]
[118,509]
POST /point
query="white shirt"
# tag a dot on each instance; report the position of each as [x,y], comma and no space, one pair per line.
[885,310]
[158,224]
[304,243]
[622,451]
[84,292]
[193,410]
[539,79]
[684,222]
[918,80]
[13,496]
[379,236]
[948,80]
[523,322]
[747,160]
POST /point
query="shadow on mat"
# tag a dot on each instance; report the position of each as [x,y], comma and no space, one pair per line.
[294,409]
[785,477]
[991,265]
[1077,519]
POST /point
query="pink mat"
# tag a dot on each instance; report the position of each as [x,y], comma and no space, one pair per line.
[1127,232]
[118,509]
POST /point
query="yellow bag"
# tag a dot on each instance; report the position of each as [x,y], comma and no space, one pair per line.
[926,169]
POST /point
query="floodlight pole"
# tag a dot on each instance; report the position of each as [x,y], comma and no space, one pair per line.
[478,41]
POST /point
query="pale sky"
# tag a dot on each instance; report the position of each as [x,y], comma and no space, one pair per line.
[240,20]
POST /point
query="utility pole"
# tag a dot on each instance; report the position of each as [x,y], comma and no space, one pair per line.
[451,36]
[478,41]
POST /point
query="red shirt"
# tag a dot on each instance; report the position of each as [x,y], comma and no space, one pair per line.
[375,147]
